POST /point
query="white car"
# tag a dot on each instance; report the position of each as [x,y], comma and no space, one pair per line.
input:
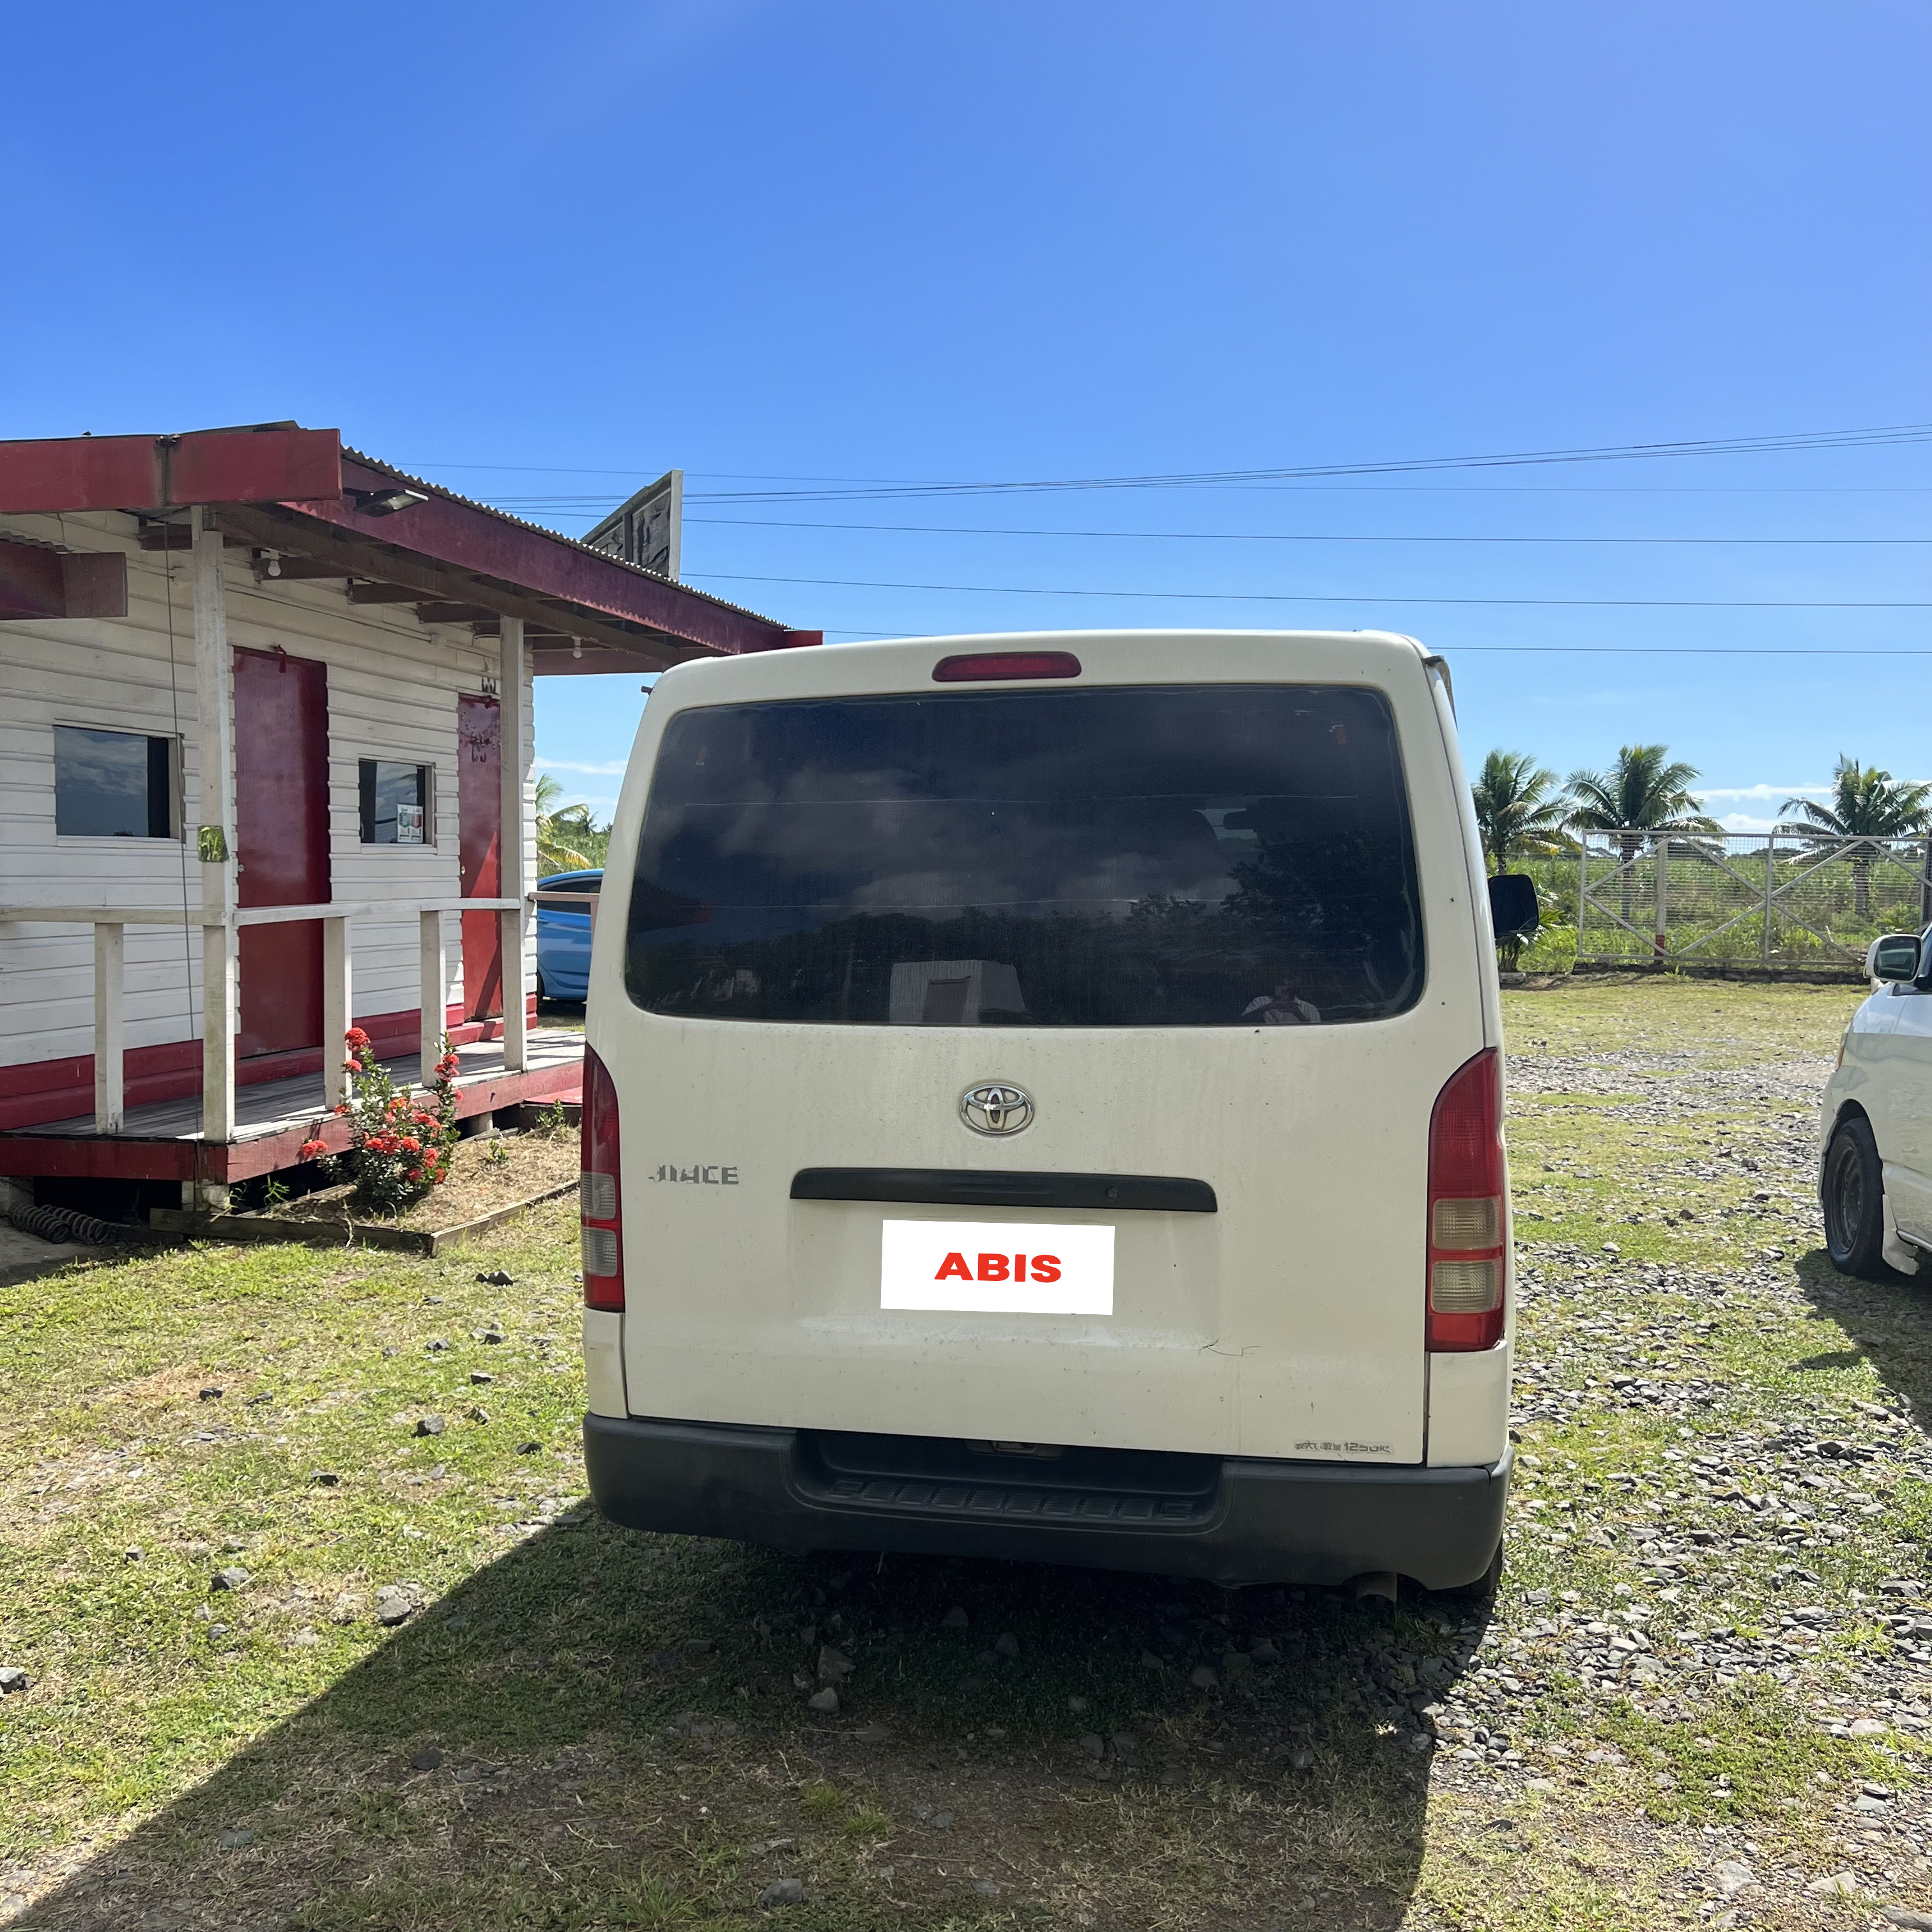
[1044,1100]
[1875,1129]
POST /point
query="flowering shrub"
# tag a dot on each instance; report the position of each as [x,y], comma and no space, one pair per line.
[399,1145]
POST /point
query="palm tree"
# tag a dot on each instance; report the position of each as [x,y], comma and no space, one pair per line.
[557,824]
[1518,808]
[1645,791]
[1866,803]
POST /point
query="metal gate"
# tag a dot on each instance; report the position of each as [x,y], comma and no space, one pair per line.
[1774,898]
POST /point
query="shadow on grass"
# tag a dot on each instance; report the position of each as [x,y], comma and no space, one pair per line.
[1890,1322]
[603,1729]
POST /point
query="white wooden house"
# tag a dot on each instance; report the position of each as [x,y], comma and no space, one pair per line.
[265,760]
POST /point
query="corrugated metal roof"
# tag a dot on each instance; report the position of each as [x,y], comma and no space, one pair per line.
[557,536]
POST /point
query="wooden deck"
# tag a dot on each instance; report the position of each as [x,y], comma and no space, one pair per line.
[163,1140]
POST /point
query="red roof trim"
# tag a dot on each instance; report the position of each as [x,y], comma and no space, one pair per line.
[469,536]
[307,472]
[162,472]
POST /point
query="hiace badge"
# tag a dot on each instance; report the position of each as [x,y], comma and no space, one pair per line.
[989,1268]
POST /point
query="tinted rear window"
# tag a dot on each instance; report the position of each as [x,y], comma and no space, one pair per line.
[1223,855]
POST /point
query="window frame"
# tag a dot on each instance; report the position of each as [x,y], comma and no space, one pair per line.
[365,820]
[176,806]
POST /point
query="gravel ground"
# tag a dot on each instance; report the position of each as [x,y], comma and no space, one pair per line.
[1711,1515]
[287,1659]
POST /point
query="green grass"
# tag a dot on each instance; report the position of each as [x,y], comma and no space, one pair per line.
[623,1736]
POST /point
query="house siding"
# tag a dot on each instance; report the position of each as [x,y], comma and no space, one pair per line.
[393,686]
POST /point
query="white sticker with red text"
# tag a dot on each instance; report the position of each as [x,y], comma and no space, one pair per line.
[991,1268]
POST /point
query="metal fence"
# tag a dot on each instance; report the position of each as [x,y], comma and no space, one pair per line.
[1739,898]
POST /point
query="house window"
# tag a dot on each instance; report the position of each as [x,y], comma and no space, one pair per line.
[115,784]
[397,800]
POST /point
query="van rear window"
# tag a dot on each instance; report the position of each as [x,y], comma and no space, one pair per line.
[1196,856]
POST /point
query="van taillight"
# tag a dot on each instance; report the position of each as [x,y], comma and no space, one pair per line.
[1469,1209]
[982,666]
[602,1203]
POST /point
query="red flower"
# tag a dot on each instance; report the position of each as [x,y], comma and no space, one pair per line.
[341,1107]
[414,1174]
[353,1066]
[356,1038]
[410,1143]
[310,1150]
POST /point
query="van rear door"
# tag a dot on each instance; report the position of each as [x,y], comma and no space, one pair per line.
[1039,1060]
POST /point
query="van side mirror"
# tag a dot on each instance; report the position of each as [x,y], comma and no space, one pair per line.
[1513,911]
[1893,958]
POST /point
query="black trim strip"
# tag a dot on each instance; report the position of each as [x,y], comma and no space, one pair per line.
[972,1187]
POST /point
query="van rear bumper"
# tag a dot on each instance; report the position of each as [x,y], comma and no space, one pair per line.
[1231,1519]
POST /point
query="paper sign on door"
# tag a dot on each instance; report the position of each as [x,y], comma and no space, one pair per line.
[984,1267]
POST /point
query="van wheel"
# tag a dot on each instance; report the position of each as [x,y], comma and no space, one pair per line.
[1852,1195]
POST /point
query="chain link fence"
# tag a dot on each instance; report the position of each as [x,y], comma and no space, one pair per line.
[1731,899]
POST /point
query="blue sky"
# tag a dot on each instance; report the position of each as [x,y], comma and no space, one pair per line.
[542,255]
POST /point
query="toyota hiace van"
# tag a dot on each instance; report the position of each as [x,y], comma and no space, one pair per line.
[1043,1100]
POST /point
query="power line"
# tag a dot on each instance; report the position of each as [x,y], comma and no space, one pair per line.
[1700,650]
[1885,436]
[1318,597]
[1881,435]
[1586,650]
[1252,536]
[562,506]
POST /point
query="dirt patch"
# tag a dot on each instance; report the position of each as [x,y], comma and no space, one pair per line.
[485,1177]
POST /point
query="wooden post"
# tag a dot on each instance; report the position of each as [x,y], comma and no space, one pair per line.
[337,1006]
[434,993]
[110,979]
[513,884]
[214,693]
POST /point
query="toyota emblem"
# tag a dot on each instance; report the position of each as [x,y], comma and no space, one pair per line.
[996,1108]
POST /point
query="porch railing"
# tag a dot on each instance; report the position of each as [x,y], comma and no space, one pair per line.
[337,919]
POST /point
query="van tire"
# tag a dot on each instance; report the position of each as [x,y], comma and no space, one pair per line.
[1851,1191]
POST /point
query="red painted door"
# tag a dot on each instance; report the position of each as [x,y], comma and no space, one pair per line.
[479,805]
[281,827]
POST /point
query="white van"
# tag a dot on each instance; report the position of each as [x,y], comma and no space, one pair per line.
[1043,1100]
[1875,1124]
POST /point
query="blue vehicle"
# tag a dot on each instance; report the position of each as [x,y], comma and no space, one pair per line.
[563,933]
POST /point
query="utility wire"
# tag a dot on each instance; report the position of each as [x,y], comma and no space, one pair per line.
[1879,436]
[1253,536]
[1758,445]
[553,505]
[1698,650]
[1321,597]
[1579,650]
